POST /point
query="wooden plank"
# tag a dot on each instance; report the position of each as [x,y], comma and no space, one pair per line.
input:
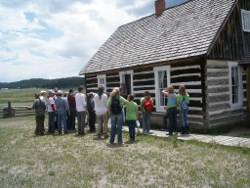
[248,94]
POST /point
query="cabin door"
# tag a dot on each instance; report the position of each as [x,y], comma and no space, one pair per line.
[127,78]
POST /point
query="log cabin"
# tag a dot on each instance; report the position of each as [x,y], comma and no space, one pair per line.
[204,44]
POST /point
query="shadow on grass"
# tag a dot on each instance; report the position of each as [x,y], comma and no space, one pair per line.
[102,138]
[116,145]
[131,141]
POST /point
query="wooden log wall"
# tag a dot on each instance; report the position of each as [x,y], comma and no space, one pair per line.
[219,111]
[190,73]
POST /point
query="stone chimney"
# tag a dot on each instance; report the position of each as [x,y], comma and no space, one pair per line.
[159,7]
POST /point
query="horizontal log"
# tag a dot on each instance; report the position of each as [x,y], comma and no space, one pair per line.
[217,74]
[219,89]
[225,112]
[218,107]
[219,98]
[185,75]
[216,64]
[218,94]
[223,82]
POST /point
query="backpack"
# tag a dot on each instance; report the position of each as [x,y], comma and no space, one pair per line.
[183,105]
[115,105]
[148,105]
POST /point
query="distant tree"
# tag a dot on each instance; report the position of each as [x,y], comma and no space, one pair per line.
[70,82]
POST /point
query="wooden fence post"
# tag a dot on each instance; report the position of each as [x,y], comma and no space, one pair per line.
[9,109]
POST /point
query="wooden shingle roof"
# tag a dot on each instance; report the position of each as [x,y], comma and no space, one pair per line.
[182,31]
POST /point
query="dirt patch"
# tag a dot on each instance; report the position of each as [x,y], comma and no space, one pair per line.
[239,132]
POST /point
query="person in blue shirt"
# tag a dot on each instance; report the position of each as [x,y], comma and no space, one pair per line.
[171,108]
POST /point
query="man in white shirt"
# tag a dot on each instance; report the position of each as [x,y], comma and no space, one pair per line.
[51,111]
[81,108]
[101,110]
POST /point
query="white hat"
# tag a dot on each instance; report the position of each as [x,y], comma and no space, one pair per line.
[51,91]
[59,92]
[42,92]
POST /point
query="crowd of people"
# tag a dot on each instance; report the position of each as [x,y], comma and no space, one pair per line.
[118,105]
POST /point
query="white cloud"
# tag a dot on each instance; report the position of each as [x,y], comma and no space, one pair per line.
[60,37]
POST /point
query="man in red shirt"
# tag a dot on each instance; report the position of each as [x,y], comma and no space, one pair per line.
[72,109]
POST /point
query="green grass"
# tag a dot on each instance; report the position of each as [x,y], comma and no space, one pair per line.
[72,161]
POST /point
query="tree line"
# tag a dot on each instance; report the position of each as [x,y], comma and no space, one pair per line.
[44,83]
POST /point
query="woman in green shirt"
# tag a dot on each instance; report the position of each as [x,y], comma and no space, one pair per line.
[182,103]
[131,116]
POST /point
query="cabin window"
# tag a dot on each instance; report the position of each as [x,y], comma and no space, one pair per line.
[162,80]
[245,17]
[102,80]
[235,85]
[126,77]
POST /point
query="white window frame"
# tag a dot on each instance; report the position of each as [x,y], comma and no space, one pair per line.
[239,104]
[102,76]
[245,18]
[158,106]
[130,72]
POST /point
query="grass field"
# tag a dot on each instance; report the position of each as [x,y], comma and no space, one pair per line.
[72,161]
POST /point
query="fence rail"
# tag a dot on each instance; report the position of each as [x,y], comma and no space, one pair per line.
[15,111]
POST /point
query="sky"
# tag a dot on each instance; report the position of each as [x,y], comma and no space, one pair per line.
[56,38]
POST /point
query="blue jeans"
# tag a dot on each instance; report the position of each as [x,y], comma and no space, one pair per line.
[146,122]
[62,119]
[183,114]
[131,126]
[116,125]
[172,114]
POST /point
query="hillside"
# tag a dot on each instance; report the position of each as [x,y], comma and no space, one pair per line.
[44,83]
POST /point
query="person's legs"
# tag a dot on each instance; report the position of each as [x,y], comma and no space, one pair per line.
[184,122]
[73,119]
[119,127]
[144,121]
[83,117]
[170,118]
[148,121]
[99,122]
[113,128]
[78,122]
[51,127]
[105,125]
[59,123]
[174,113]
[64,120]
[165,120]
[41,127]
[92,121]
[133,125]
[130,124]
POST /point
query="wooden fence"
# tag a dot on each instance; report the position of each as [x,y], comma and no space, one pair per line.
[15,111]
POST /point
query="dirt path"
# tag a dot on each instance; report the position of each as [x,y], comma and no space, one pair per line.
[239,132]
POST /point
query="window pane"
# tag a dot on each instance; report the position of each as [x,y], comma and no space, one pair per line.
[162,82]
[101,81]
[246,20]
[235,84]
